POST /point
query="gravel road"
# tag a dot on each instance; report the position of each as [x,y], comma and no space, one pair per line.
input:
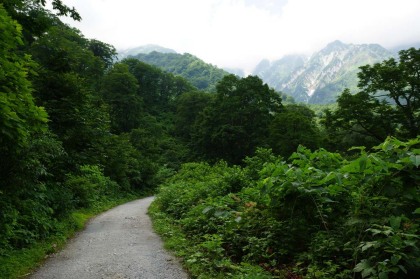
[119,243]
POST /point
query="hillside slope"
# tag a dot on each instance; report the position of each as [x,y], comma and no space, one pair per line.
[202,75]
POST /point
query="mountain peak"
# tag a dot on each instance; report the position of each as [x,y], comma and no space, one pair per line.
[145,49]
[322,77]
[335,45]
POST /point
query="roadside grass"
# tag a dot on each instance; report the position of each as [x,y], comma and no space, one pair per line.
[172,236]
[198,264]
[20,263]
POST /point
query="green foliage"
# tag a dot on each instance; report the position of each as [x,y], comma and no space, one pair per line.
[90,186]
[115,128]
[188,107]
[20,118]
[236,122]
[67,87]
[122,163]
[158,89]
[387,104]
[23,130]
[119,89]
[192,197]
[359,120]
[34,18]
[400,81]
[317,215]
[105,52]
[158,148]
[18,263]
[54,164]
[319,109]
[293,127]
[141,101]
[200,74]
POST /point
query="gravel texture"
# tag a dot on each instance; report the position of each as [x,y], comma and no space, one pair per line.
[119,243]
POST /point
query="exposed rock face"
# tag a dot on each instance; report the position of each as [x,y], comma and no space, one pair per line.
[322,77]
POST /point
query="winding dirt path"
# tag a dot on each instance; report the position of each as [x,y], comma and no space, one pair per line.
[119,243]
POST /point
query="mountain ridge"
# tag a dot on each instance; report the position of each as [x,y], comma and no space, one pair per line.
[316,79]
[321,77]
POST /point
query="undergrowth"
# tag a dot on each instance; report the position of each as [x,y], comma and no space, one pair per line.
[315,215]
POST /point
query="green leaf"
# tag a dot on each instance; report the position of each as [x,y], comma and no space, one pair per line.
[354,221]
[329,177]
[362,163]
[415,159]
[402,268]
[395,259]
[368,271]
[417,211]
[395,222]
[221,213]
[339,180]
[207,209]
[368,245]
[364,264]
[375,231]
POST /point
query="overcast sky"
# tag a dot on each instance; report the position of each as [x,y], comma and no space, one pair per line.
[239,33]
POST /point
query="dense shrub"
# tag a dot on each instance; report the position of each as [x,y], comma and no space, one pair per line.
[90,186]
[316,215]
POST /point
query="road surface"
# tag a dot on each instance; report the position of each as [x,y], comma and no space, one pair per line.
[119,243]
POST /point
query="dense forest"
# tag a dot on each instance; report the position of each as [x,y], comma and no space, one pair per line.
[200,74]
[248,185]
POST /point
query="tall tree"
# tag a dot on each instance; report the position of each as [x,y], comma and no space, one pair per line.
[67,86]
[158,89]
[400,82]
[237,121]
[119,89]
[388,104]
[188,107]
[106,52]
[292,127]
[28,151]
[360,119]
[20,118]
[34,18]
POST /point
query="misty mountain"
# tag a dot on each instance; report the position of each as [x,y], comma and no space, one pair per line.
[398,48]
[320,78]
[279,72]
[236,71]
[146,49]
[202,75]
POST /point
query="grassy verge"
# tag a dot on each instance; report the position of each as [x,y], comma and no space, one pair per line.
[19,263]
[199,263]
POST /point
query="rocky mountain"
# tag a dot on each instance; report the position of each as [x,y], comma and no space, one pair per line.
[279,72]
[319,79]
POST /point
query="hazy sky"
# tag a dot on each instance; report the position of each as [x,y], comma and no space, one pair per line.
[239,33]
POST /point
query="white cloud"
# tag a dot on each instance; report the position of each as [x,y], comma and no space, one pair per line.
[239,33]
